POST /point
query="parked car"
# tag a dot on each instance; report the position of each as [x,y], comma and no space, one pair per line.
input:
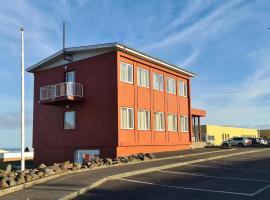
[237,141]
[262,141]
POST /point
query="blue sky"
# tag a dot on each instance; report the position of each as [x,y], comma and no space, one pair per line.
[226,43]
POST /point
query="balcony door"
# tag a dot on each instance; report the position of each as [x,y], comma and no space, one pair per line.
[70,76]
[70,81]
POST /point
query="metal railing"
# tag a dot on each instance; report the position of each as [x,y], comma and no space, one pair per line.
[65,89]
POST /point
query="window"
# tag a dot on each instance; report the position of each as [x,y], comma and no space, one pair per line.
[184,123]
[143,120]
[159,121]
[127,118]
[70,76]
[172,122]
[182,89]
[143,77]
[126,72]
[171,88]
[158,82]
[69,120]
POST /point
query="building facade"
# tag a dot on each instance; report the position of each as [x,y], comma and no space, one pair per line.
[215,135]
[265,133]
[110,100]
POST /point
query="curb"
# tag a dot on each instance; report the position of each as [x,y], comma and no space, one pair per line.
[123,175]
[42,180]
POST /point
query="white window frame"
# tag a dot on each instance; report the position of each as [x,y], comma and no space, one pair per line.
[184,124]
[182,88]
[74,120]
[145,73]
[159,82]
[174,120]
[72,73]
[162,118]
[127,118]
[173,82]
[147,122]
[127,66]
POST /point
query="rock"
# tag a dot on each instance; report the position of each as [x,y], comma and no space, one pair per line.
[42,166]
[141,156]
[108,161]
[56,165]
[77,166]
[4,184]
[12,183]
[27,171]
[48,172]
[20,178]
[150,155]
[34,176]
[88,164]
[8,168]
[28,178]
[40,174]
[66,165]
[124,159]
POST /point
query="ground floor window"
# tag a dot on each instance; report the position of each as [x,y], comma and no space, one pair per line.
[159,121]
[184,123]
[69,120]
[172,122]
[143,120]
[127,118]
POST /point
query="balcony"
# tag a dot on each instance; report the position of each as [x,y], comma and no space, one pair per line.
[65,92]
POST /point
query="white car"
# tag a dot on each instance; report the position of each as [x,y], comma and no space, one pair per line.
[262,141]
[236,141]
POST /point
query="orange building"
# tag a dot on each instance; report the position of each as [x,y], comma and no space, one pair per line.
[110,100]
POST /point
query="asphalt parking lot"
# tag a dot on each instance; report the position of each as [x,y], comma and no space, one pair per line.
[241,177]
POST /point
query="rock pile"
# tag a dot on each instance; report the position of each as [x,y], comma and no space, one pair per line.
[10,178]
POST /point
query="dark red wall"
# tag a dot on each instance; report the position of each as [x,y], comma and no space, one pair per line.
[96,116]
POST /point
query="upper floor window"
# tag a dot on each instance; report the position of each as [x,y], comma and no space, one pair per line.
[127,118]
[69,120]
[184,123]
[143,77]
[126,72]
[143,120]
[159,121]
[70,76]
[172,122]
[182,89]
[158,82]
[171,86]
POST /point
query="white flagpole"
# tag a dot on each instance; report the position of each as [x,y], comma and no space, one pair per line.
[22,101]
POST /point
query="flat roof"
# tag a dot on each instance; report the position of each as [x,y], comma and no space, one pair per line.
[112,46]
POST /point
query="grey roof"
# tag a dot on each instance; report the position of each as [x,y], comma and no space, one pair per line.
[113,46]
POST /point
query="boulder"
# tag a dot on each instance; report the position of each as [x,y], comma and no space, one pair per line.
[48,172]
[12,183]
[77,166]
[141,156]
[4,183]
[150,155]
[66,165]
[40,174]
[8,168]
[108,161]
[34,176]
[20,178]
[42,166]
[28,178]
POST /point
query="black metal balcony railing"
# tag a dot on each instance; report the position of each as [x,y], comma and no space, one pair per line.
[67,90]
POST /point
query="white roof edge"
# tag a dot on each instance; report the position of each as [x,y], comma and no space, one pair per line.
[110,45]
[155,60]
